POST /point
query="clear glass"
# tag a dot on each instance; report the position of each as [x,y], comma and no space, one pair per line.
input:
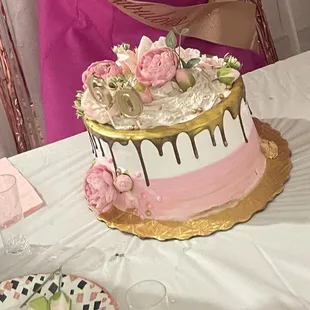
[147,295]
[11,217]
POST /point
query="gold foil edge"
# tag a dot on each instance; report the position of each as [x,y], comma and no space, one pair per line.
[269,149]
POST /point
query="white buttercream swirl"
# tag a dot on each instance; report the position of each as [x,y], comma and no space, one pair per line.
[171,106]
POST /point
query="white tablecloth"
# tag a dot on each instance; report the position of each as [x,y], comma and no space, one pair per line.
[262,264]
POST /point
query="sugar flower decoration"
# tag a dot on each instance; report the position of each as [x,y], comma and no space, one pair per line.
[100,192]
[157,67]
[102,187]
[227,76]
[232,62]
[101,69]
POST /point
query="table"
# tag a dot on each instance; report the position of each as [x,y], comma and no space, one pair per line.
[262,264]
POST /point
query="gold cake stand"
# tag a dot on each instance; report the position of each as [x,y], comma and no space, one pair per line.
[277,172]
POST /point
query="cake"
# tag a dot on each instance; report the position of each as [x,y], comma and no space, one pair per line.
[171,131]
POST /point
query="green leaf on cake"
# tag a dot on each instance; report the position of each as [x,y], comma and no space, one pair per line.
[192,62]
[184,64]
[171,40]
[181,31]
[126,46]
[227,76]
[79,113]
[77,104]
[232,62]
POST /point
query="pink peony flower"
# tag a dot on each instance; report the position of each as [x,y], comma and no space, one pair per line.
[156,67]
[123,183]
[103,69]
[99,189]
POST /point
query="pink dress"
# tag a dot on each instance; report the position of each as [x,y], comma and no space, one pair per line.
[75,33]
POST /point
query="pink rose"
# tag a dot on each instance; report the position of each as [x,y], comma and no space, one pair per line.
[157,67]
[99,189]
[123,183]
[103,69]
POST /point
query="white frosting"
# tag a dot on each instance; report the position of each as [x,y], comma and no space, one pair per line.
[171,106]
[166,166]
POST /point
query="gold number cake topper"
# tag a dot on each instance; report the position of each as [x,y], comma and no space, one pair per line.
[126,100]
[100,92]
[129,102]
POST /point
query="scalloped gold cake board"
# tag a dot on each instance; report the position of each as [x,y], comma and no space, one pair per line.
[277,172]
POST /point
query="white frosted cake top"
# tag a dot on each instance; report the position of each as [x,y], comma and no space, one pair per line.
[171,106]
[157,84]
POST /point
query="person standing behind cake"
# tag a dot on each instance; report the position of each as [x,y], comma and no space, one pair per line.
[75,33]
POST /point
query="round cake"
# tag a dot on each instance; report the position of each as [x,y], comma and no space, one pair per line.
[171,131]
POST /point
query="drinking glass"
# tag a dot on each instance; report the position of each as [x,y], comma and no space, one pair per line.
[11,217]
[147,295]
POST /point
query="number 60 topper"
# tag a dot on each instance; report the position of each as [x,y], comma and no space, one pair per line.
[126,99]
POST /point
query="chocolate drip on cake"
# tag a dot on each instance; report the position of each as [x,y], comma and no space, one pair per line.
[245,100]
[248,105]
[175,149]
[137,145]
[242,128]
[159,136]
[95,145]
[222,131]
[94,151]
[95,142]
[159,145]
[194,146]
[101,148]
[212,137]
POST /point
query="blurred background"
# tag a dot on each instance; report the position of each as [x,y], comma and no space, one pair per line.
[288,21]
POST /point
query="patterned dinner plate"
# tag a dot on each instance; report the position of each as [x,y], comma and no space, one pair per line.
[85,295]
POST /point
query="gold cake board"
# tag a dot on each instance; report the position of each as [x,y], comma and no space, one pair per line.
[277,172]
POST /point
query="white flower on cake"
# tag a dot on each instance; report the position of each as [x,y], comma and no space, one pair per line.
[212,62]
[126,58]
[170,81]
[189,53]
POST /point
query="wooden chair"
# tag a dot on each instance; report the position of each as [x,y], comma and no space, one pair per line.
[264,36]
